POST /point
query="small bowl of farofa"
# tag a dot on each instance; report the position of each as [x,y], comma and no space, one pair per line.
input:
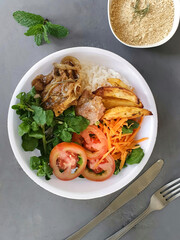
[143,23]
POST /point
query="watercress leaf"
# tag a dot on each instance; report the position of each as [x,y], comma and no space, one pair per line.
[131,126]
[29,143]
[135,156]
[36,134]
[126,130]
[23,128]
[47,169]
[57,31]
[34,126]
[81,176]
[133,123]
[39,115]
[55,141]
[27,19]
[40,172]
[38,37]
[70,111]
[35,163]
[65,136]
[77,123]
[80,162]
[49,117]
[117,167]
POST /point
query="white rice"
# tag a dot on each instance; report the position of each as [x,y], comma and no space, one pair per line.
[96,76]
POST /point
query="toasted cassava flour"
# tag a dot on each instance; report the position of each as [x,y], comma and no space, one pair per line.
[142,22]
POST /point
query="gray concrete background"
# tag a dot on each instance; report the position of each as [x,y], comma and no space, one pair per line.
[29,212]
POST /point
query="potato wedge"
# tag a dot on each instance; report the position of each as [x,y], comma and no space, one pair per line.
[117,92]
[118,102]
[125,112]
[116,82]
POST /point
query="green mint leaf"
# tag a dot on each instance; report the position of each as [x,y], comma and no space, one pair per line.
[27,19]
[39,115]
[29,143]
[80,162]
[49,117]
[35,163]
[45,34]
[37,134]
[57,31]
[135,156]
[34,30]
[23,128]
[38,39]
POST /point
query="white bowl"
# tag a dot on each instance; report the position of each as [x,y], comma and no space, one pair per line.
[82,188]
[167,38]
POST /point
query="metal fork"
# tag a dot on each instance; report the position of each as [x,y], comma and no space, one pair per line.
[159,200]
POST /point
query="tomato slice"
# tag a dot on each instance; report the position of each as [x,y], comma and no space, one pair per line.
[68,160]
[104,170]
[93,140]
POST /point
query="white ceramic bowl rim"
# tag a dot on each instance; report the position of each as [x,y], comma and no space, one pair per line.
[167,38]
[13,132]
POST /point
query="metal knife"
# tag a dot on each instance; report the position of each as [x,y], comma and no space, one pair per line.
[129,193]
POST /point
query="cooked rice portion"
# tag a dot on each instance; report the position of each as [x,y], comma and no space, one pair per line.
[96,76]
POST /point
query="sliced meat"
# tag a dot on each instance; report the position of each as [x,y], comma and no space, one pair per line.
[62,87]
[90,107]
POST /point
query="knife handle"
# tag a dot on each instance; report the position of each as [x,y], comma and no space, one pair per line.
[88,227]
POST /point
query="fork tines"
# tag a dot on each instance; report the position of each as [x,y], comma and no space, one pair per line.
[171,190]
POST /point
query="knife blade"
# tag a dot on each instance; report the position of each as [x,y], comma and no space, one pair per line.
[128,194]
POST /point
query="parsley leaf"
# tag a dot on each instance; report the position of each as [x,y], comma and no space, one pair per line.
[27,19]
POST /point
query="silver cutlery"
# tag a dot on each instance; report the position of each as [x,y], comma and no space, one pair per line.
[159,200]
[129,193]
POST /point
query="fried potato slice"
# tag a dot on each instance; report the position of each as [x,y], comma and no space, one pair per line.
[111,102]
[116,82]
[117,92]
[126,112]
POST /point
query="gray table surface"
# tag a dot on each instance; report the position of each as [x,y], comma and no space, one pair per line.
[29,212]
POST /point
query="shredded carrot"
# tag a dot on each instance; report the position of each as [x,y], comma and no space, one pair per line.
[119,145]
[105,155]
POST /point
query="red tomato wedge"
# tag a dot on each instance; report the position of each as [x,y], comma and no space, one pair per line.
[94,141]
[104,170]
[68,160]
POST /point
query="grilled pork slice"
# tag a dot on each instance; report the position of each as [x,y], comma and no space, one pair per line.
[90,107]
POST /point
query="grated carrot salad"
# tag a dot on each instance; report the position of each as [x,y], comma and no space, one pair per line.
[119,144]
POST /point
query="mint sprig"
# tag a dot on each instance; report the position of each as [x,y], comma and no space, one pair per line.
[39,27]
